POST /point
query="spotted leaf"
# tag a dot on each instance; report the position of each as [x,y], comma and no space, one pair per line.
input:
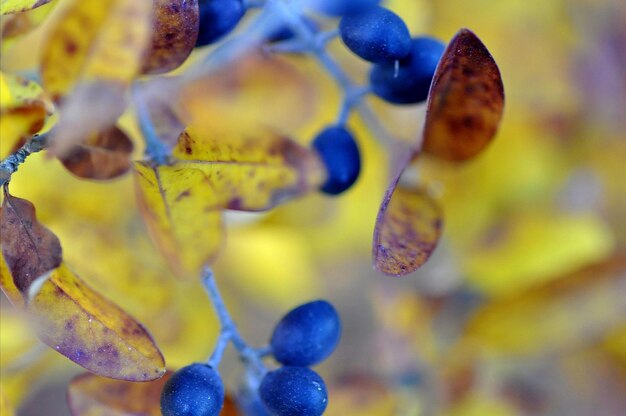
[466,101]
[213,171]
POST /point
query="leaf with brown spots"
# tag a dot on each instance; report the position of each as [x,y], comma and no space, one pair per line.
[182,202]
[466,101]
[90,330]
[16,6]
[408,228]
[91,395]
[94,51]
[176,25]
[102,156]
[29,249]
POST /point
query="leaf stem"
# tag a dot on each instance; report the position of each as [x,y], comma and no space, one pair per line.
[229,332]
[10,164]
[156,150]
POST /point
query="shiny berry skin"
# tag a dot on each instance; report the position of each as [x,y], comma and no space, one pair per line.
[195,390]
[341,157]
[294,391]
[217,18]
[342,7]
[411,82]
[307,334]
[377,35]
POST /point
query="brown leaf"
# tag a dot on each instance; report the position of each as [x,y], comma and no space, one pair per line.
[466,101]
[91,395]
[102,156]
[29,248]
[407,230]
[175,31]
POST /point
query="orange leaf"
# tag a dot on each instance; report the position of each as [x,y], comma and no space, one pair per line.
[466,101]
[102,156]
[407,230]
[90,395]
[174,37]
[29,248]
[90,330]
[182,202]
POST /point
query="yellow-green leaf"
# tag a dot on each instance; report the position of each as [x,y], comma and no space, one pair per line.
[16,6]
[90,395]
[90,330]
[93,52]
[214,171]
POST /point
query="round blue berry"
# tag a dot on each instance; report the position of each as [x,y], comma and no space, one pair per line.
[195,390]
[307,334]
[410,82]
[294,391]
[341,157]
[342,7]
[376,35]
[217,18]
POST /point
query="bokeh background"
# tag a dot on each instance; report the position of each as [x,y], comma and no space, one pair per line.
[522,308]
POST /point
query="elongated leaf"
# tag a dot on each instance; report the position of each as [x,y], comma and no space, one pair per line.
[103,156]
[407,230]
[30,249]
[90,330]
[16,6]
[175,32]
[92,54]
[18,24]
[466,101]
[90,395]
[182,202]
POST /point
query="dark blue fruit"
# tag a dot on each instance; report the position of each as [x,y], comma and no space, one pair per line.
[195,390]
[307,334]
[342,7]
[341,157]
[217,18]
[376,35]
[294,391]
[410,83]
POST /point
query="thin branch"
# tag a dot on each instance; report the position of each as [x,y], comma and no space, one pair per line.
[10,164]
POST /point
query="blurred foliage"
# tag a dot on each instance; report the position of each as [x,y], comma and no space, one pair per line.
[520,311]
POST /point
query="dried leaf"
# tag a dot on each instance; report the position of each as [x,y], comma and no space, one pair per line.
[102,156]
[466,101]
[175,32]
[407,230]
[90,330]
[23,110]
[90,395]
[16,6]
[182,202]
[92,54]
[244,94]
[29,248]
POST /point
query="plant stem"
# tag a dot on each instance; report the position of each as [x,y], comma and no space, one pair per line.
[10,164]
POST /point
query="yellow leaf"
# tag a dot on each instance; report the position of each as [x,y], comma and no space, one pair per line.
[92,331]
[540,320]
[93,52]
[5,407]
[182,202]
[7,285]
[15,6]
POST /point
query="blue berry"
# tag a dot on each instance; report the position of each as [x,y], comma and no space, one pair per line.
[307,334]
[195,390]
[294,391]
[341,157]
[342,7]
[376,35]
[217,18]
[410,83]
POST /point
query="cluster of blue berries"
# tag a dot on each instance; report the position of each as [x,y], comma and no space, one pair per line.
[401,73]
[304,337]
